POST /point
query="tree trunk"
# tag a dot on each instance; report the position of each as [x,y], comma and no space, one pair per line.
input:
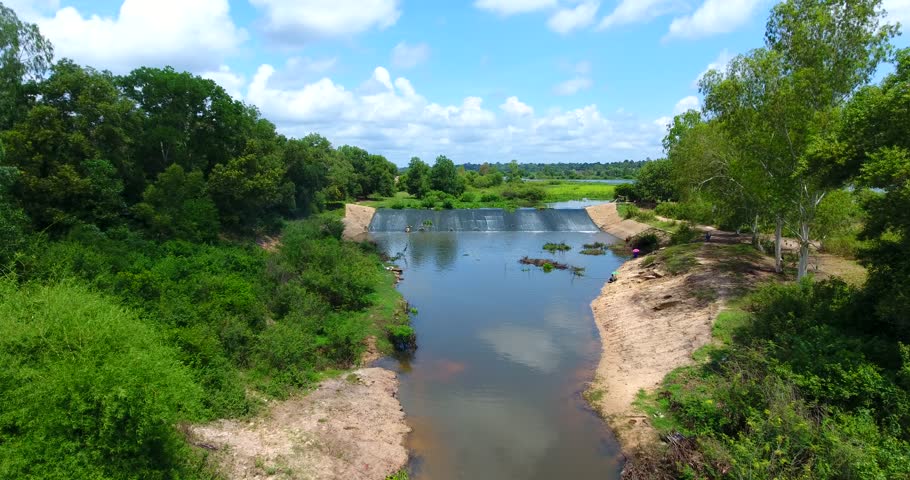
[803,250]
[778,241]
[756,238]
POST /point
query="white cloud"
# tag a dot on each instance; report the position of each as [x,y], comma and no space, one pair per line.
[689,103]
[409,56]
[573,86]
[387,115]
[32,10]
[713,17]
[512,7]
[639,11]
[515,107]
[195,35]
[898,11]
[720,64]
[299,21]
[231,82]
[569,19]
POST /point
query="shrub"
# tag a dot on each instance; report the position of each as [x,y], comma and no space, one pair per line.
[490,197]
[626,191]
[403,338]
[468,197]
[556,247]
[87,390]
[525,192]
[684,234]
[646,242]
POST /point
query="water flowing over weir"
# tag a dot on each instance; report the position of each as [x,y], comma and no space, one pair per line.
[484,220]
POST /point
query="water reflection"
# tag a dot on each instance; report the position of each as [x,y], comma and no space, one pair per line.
[530,347]
[493,390]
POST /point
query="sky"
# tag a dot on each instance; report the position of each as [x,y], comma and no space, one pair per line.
[475,80]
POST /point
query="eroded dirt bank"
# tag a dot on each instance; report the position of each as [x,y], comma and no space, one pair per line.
[356,221]
[651,322]
[350,427]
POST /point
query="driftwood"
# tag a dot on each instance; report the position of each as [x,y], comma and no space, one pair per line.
[540,262]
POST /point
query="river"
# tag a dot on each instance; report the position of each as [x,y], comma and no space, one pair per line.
[494,389]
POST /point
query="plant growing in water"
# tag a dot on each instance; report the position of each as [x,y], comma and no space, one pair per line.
[547,267]
[596,248]
[556,247]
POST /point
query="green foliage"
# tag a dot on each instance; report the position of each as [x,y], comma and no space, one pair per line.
[626,192]
[402,337]
[626,169]
[556,247]
[696,211]
[178,206]
[655,182]
[25,56]
[87,390]
[684,234]
[645,242]
[417,178]
[796,391]
[524,192]
[444,177]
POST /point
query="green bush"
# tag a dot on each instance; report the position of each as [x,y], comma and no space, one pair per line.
[468,197]
[626,191]
[87,390]
[646,242]
[524,192]
[490,197]
[684,234]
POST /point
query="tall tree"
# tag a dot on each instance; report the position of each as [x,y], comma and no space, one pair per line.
[781,103]
[177,205]
[417,180]
[25,57]
[307,162]
[72,149]
[444,177]
[187,120]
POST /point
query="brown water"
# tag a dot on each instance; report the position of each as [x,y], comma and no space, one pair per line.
[494,389]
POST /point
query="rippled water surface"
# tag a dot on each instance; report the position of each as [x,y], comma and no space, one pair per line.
[493,391]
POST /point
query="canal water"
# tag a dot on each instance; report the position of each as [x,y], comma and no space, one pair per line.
[494,388]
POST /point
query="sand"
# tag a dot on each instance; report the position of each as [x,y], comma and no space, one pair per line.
[356,221]
[350,427]
[607,219]
[650,323]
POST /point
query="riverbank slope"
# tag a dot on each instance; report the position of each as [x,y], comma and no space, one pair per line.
[351,426]
[654,317]
[607,218]
[356,221]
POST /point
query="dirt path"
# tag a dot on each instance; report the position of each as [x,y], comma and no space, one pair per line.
[351,427]
[651,322]
[357,220]
[607,219]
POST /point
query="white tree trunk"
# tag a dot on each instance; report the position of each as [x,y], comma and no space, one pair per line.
[756,239]
[803,250]
[778,244]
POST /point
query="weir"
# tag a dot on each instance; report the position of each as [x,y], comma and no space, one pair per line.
[483,220]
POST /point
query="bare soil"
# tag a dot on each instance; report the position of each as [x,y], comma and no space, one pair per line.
[651,322]
[607,219]
[357,220]
[350,427]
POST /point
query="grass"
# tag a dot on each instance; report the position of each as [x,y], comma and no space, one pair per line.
[560,192]
[388,309]
[678,259]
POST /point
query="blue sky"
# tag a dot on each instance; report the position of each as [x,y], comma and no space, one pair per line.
[476,80]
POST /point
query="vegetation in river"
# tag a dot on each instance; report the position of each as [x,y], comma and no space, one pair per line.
[596,248]
[556,247]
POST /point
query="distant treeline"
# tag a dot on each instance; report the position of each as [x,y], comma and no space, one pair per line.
[625,169]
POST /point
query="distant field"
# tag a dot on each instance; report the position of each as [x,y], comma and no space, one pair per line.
[497,197]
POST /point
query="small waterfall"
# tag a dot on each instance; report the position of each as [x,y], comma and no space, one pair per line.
[484,220]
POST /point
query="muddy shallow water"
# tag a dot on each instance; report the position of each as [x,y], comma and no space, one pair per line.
[494,389]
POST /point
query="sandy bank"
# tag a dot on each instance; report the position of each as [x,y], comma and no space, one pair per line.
[650,323]
[349,427]
[607,219]
[356,221]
